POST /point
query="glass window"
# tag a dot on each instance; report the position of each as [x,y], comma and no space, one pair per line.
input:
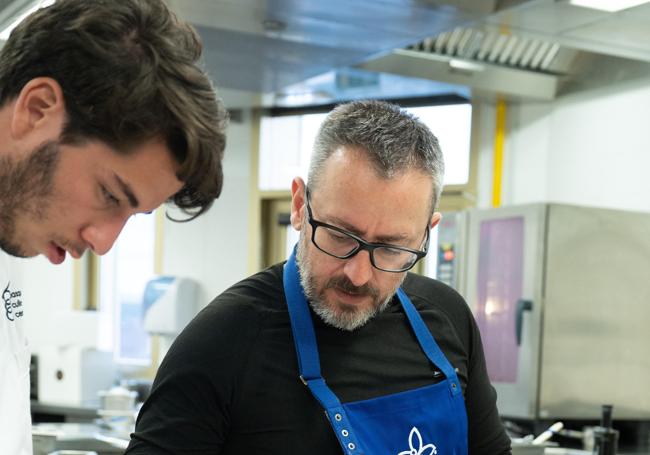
[280,158]
[286,143]
[452,125]
[124,272]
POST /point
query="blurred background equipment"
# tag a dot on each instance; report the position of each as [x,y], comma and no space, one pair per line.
[170,303]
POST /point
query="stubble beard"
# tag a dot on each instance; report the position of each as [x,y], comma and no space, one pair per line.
[344,317]
[25,188]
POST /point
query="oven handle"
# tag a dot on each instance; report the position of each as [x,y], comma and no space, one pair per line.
[522,305]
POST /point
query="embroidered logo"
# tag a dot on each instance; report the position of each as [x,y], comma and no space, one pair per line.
[12,302]
[416,447]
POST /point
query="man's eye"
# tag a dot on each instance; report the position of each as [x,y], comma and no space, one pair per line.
[109,196]
[338,236]
[391,252]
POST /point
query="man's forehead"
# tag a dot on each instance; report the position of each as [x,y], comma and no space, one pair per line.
[349,178]
[376,219]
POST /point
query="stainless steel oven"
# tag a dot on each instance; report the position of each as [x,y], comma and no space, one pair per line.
[562,297]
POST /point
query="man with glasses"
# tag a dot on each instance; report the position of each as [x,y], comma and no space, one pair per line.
[338,350]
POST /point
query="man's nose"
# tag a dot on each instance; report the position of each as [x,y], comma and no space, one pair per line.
[101,236]
[359,268]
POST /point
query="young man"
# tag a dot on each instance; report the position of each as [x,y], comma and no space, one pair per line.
[338,350]
[104,113]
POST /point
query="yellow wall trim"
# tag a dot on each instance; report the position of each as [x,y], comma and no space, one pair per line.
[499,139]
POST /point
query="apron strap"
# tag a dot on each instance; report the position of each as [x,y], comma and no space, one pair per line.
[427,342]
[337,416]
[304,337]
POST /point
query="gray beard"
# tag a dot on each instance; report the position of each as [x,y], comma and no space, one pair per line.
[340,318]
[25,187]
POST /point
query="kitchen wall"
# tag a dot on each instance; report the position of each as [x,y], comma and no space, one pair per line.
[587,148]
[214,248]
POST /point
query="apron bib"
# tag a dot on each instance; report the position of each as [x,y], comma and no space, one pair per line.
[429,420]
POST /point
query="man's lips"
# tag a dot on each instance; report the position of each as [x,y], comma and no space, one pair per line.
[349,297]
[55,253]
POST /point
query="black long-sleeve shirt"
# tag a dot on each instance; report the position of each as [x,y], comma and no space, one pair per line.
[230,382]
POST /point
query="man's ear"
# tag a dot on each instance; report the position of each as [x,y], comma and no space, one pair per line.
[39,107]
[435,219]
[297,202]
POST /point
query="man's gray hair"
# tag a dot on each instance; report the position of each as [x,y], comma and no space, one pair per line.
[392,139]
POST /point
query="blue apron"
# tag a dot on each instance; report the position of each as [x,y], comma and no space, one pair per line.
[429,420]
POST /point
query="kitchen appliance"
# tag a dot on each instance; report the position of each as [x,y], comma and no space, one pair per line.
[72,375]
[445,263]
[169,304]
[561,294]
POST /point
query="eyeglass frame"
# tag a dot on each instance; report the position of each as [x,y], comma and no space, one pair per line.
[362,244]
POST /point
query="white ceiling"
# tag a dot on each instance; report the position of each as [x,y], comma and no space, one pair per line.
[267,45]
[304,46]
[284,46]
[622,34]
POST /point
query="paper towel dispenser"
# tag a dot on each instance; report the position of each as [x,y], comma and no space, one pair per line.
[169,304]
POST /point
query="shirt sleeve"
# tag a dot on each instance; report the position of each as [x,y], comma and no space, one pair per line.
[174,420]
[188,411]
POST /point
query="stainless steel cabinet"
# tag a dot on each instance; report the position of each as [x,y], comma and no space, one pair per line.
[562,297]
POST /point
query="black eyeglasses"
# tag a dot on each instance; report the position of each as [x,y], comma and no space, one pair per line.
[342,244]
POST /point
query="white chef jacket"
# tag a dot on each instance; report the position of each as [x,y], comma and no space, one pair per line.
[15,417]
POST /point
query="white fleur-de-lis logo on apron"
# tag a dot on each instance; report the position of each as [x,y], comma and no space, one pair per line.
[416,447]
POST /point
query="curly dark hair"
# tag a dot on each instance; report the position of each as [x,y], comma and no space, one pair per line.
[129,73]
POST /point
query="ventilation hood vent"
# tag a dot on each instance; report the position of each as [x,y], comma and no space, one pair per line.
[492,47]
[483,59]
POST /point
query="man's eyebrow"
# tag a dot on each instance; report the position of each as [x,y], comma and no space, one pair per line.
[379,239]
[126,189]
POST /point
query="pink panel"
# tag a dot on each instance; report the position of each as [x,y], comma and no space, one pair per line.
[500,284]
